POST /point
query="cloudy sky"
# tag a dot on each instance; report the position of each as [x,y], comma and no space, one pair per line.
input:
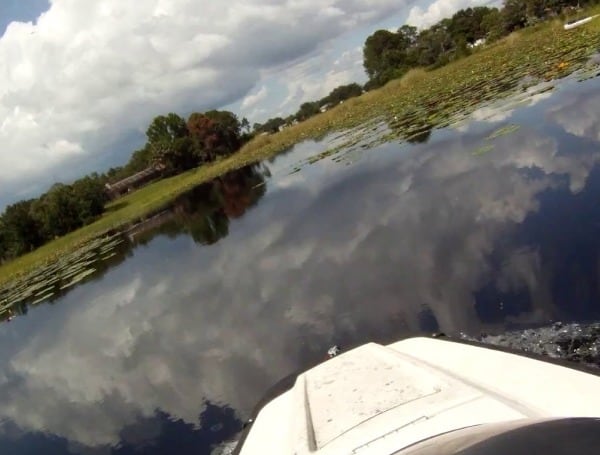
[80,81]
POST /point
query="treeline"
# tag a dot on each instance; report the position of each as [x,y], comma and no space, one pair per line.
[172,141]
[308,109]
[179,144]
[388,55]
[29,224]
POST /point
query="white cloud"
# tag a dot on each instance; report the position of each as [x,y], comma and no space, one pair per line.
[505,108]
[255,98]
[307,84]
[93,75]
[579,115]
[86,74]
[423,17]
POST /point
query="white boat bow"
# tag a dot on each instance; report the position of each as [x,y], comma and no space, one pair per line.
[379,399]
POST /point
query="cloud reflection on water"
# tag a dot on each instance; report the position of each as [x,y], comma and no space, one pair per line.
[362,254]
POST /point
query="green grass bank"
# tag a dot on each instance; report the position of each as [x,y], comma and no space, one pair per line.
[434,98]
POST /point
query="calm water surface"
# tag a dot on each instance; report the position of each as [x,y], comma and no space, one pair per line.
[252,277]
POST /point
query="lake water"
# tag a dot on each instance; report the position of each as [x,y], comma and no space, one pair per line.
[488,226]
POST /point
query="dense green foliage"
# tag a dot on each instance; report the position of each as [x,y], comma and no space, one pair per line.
[28,224]
[182,145]
[179,145]
[270,126]
[204,213]
[388,55]
[412,106]
[341,94]
[171,141]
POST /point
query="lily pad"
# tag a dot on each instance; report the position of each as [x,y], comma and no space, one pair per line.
[483,149]
[78,278]
[505,130]
[43,298]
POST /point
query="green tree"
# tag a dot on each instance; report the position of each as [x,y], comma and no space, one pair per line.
[56,212]
[271,126]
[465,25]
[167,141]
[493,25]
[90,197]
[165,129]
[3,241]
[514,14]
[388,55]
[434,44]
[342,93]
[535,8]
[205,135]
[21,231]
[378,50]
[307,110]
[179,155]
[245,126]
[408,35]
[228,129]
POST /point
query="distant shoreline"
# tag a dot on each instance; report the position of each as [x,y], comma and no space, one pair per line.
[421,99]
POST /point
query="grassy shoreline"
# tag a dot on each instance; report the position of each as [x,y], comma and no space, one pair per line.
[434,98]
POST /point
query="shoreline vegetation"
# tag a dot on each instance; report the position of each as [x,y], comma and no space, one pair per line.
[421,100]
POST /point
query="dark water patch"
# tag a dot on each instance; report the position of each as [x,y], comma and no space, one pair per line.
[565,233]
[203,213]
[52,281]
[579,343]
[256,275]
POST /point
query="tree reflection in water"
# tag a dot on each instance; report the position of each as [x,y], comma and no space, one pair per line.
[204,213]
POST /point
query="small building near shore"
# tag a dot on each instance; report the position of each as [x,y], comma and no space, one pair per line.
[133,182]
[478,43]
